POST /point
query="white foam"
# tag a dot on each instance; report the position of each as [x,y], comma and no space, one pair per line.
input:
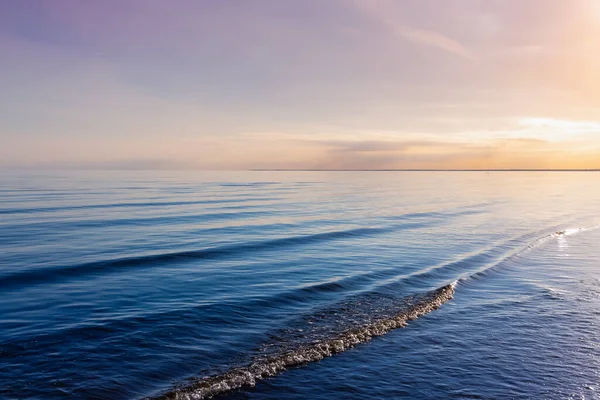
[261,368]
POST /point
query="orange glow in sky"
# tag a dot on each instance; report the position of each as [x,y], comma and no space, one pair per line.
[360,84]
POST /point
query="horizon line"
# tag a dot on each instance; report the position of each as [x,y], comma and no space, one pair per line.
[92,168]
[427,170]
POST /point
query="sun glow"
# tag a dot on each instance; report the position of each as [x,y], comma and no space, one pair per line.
[556,129]
[595,9]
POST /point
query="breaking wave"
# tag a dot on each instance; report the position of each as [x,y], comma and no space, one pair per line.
[284,357]
[346,325]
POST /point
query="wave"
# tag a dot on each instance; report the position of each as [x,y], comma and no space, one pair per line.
[73,223]
[469,266]
[45,275]
[357,320]
[248,184]
[277,362]
[557,234]
[146,204]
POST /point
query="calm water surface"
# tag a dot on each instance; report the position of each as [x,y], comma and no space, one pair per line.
[131,285]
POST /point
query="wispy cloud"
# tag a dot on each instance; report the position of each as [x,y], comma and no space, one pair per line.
[566,127]
[435,39]
[382,11]
[276,84]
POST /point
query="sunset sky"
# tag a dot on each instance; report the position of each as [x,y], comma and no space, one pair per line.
[333,84]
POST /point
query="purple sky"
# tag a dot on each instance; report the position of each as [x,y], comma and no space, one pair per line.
[300,84]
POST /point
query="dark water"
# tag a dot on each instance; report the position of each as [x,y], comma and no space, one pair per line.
[130,285]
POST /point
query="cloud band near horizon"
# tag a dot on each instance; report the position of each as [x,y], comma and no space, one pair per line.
[317,84]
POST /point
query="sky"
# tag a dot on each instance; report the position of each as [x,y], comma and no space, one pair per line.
[310,84]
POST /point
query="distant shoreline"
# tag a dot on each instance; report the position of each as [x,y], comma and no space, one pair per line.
[422,170]
[47,169]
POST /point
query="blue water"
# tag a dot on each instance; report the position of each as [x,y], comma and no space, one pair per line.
[420,285]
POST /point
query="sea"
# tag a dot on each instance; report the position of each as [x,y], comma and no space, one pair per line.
[299,285]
